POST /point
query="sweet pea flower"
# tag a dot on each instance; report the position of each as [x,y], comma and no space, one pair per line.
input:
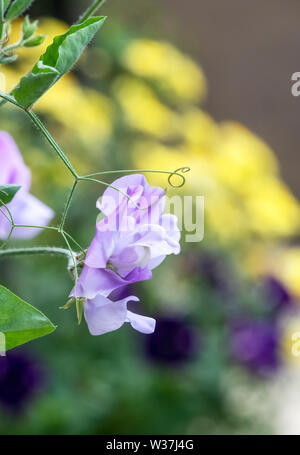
[25,208]
[133,239]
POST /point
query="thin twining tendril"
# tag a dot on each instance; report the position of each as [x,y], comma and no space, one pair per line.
[171,174]
[88,179]
[183,170]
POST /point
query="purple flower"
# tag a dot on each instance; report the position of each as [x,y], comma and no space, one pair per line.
[132,239]
[20,377]
[173,343]
[277,296]
[25,208]
[213,269]
[255,344]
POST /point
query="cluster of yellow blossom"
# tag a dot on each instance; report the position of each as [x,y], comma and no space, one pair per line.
[163,63]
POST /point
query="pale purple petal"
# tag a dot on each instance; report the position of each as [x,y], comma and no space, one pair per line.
[143,195]
[102,315]
[141,323]
[158,241]
[124,183]
[170,223]
[12,167]
[26,210]
[100,249]
[155,262]
[93,281]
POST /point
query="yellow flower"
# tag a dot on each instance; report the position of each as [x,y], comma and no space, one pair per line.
[272,259]
[286,265]
[272,209]
[85,112]
[200,131]
[164,63]
[142,109]
[49,27]
[247,167]
[242,157]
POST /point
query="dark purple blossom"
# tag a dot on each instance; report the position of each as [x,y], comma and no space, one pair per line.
[255,345]
[173,343]
[20,378]
[213,270]
[277,296]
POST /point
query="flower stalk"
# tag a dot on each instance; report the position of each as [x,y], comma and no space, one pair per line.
[53,251]
[91,10]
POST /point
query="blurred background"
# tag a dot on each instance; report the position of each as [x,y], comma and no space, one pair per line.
[204,84]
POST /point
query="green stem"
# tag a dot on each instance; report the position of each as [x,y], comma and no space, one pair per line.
[67,206]
[12,47]
[6,97]
[75,242]
[35,251]
[51,141]
[91,10]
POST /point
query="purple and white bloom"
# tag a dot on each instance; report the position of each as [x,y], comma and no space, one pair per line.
[103,315]
[25,208]
[133,239]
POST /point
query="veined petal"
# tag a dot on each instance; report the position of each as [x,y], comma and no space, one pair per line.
[143,324]
[101,249]
[102,315]
[138,189]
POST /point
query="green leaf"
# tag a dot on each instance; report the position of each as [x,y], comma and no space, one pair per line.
[3,7]
[19,321]
[17,8]
[58,59]
[7,193]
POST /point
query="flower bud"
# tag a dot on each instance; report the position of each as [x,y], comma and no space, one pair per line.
[28,28]
[35,41]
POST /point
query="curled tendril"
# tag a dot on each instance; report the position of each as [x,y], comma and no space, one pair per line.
[183,170]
